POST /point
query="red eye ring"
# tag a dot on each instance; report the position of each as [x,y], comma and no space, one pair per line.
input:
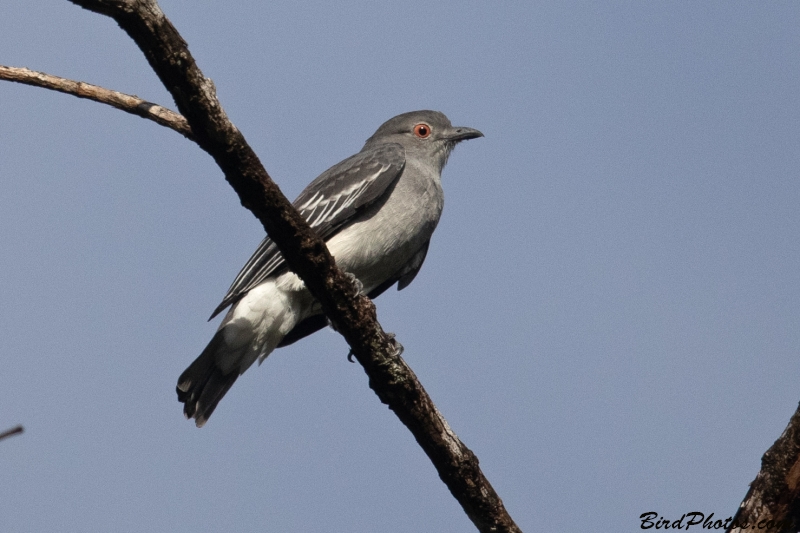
[422,130]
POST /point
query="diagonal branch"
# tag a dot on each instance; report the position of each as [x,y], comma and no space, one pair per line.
[354,314]
[125,102]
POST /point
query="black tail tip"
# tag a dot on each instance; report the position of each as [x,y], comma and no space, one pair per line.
[200,397]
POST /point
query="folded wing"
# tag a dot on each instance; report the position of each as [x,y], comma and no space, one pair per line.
[327,204]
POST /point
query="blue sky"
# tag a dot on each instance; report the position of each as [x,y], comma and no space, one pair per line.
[608,314]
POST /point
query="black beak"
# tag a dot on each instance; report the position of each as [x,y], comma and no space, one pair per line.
[462,134]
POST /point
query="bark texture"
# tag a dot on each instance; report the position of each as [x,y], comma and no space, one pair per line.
[773,502]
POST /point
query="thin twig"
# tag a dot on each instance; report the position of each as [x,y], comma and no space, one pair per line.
[10,432]
[124,102]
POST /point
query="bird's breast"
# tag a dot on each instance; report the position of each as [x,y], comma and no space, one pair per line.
[387,235]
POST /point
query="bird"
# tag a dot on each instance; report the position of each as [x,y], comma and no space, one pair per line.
[376,212]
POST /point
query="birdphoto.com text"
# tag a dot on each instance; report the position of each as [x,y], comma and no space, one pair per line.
[697,520]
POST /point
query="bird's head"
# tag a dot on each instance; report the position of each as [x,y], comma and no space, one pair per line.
[423,133]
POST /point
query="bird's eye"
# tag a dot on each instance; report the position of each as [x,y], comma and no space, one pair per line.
[423,131]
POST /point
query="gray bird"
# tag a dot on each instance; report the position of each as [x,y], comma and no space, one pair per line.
[376,212]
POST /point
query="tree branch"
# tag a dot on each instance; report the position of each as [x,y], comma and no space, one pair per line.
[773,502]
[10,432]
[125,102]
[354,314]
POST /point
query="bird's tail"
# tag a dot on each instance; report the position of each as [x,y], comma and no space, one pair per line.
[204,383]
[253,327]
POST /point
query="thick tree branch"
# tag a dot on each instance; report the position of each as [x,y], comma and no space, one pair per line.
[354,314]
[773,502]
[122,101]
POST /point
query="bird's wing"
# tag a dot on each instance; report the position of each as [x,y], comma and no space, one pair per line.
[405,275]
[410,271]
[327,204]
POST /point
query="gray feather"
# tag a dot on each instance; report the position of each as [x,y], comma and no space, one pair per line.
[327,204]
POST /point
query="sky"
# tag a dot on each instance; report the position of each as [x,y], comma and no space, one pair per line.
[608,316]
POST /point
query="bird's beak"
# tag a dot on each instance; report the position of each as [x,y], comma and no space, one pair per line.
[462,134]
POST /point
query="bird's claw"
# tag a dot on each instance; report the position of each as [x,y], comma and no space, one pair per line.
[360,290]
[355,281]
[398,348]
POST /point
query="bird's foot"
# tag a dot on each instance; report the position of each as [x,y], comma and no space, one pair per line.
[395,343]
[355,281]
[359,288]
